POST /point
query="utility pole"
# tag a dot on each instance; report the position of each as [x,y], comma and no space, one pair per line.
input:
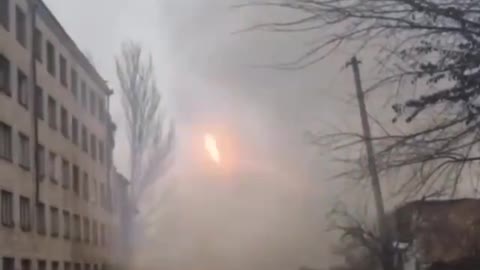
[385,237]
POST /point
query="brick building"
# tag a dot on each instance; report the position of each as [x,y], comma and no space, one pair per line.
[57,210]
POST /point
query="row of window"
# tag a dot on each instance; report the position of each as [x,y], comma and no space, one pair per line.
[70,128]
[8,263]
[71,175]
[80,229]
[87,98]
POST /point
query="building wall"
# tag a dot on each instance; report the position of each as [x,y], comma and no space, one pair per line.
[30,244]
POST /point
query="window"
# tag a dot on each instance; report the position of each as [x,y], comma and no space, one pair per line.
[37,45]
[74,82]
[41,220]
[86,187]
[94,232]
[87,266]
[74,130]
[25,214]
[51,58]
[83,94]
[21,25]
[84,139]
[24,154]
[55,265]
[5,141]
[64,122]
[101,109]
[54,222]
[5,14]
[78,266]
[95,267]
[8,263]
[52,168]
[65,174]
[76,180]
[26,264]
[102,194]
[101,153]
[67,266]
[93,102]
[66,225]
[39,102]
[93,146]
[94,192]
[22,88]
[102,235]
[52,113]
[63,71]
[77,230]
[41,160]
[7,208]
[42,265]
[86,230]
[4,74]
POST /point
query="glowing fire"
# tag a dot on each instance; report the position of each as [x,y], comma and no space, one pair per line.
[211,147]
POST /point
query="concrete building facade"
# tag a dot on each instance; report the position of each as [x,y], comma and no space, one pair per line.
[56,139]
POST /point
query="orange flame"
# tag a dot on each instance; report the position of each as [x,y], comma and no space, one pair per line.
[211,147]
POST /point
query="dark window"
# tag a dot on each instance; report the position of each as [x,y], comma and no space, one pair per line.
[41,161]
[102,194]
[52,167]
[101,109]
[94,190]
[42,265]
[39,102]
[52,113]
[22,88]
[64,122]
[54,222]
[8,263]
[84,139]
[77,230]
[37,45]
[101,152]
[86,230]
[102,235]
[95,267]
[93,147]
[67,266]
[7,209]
[41,219]
[76,180]
[83,94]
[94,232]
[87,266]
[26,264]
[74,130]
[51,58]
[74,82]
[66,225]
[5,75]
[21,25]
[86,187]
[5,141]
[5,14]
[78,266]
[55,265]
[65,174]
[63,71]
[25,214]
[24,151]
[93,102]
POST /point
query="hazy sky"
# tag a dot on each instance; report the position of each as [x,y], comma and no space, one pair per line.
[269,213]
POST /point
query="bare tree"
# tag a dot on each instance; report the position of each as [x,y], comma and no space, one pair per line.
[430,46]
[151,138]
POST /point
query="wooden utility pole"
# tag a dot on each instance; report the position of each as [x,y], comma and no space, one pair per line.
[385,237]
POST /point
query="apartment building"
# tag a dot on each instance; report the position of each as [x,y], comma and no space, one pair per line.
[56,141]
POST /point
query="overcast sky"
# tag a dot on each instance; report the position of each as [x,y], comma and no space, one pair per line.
[272,214]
